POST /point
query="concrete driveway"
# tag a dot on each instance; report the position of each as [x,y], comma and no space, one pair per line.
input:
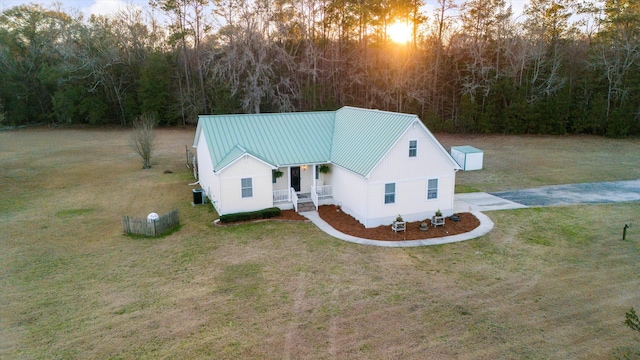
[586,193]
[481,201]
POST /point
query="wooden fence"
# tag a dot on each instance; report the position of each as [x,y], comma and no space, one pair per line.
[146,227]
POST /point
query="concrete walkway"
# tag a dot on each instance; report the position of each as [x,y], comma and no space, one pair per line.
[485,226]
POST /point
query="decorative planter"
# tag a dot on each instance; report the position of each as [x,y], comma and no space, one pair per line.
[399,226]
[437,221]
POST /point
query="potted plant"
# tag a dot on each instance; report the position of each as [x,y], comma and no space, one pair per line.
[424,226]
[399,224]
[323,169]
[437,219]
[338,207]
[277,174]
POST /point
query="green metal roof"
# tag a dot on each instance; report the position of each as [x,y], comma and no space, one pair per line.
[353,138]
[362,137]
[466,149]
[278,139]
[235,153]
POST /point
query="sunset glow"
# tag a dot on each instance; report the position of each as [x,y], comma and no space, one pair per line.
[399,32]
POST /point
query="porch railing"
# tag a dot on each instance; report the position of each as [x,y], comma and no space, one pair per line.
[314,197]
[294,198]
[281,195]
[324,191]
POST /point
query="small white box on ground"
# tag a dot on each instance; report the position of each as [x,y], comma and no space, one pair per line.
[468,157]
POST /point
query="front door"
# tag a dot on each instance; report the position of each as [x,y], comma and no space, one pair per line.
[295,178]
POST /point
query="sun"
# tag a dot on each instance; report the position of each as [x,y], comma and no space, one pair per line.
[399,32]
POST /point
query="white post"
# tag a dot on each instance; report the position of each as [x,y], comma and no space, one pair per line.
[289,183]
[315,168]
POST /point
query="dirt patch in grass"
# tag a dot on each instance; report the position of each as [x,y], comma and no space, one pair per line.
[345,223]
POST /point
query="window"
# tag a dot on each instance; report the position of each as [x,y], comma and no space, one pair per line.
[247,188]
[317,172]
[413,148]
[432,189]
[390,193]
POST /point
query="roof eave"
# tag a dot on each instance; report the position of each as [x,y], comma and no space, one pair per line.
[243,155]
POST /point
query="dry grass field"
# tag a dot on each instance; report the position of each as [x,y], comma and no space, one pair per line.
[545,283]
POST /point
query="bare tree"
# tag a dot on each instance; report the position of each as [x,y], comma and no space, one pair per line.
[143,138]
[256,70]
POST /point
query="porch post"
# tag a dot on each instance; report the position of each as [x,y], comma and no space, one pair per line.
[289,183]
[313,183]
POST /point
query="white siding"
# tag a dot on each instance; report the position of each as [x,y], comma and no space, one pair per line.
[350,191]
[474,161]
[397,164]
[230,186]
[326,178]
[282,183]
[306,178]
[411,175]
[208,180]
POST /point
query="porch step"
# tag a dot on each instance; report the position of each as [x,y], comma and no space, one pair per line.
[306,206]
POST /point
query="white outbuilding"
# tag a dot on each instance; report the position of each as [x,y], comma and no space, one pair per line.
[468,157]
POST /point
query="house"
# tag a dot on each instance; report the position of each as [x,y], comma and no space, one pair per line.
[380,163]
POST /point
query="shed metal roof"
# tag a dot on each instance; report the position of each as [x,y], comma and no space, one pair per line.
[466,149]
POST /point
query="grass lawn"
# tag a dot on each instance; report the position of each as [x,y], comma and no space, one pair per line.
[545,283]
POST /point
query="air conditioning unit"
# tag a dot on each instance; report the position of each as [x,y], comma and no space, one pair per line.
[199,197]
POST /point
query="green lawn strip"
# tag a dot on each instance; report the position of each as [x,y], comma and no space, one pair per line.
[74,212]
[462,189]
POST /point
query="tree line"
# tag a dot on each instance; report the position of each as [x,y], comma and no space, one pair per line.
[566,66]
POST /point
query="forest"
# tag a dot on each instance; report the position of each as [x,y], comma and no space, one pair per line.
[565,66]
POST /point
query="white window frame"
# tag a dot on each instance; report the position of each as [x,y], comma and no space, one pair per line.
[432,192]
[413,150]
[392,194]
[246,187]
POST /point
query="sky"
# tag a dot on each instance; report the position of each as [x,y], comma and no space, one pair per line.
[106,7]
[88,7]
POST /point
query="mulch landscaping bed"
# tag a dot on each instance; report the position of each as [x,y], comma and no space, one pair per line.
[347,224]
[290,215]
[285,215]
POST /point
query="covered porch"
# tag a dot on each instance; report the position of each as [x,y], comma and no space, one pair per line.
[302,185]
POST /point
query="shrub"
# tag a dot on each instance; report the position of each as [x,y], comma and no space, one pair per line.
[631,320]
[251,215]
[143,139]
